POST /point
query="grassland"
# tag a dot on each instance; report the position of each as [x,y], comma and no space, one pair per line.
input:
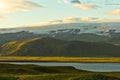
[62,59]
[33,72]
[13,46]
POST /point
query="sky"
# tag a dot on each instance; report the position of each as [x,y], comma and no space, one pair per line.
[27,13]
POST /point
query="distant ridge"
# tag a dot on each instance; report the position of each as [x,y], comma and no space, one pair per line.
[46,46]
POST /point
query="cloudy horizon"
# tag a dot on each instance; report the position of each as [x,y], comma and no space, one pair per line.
[16,13]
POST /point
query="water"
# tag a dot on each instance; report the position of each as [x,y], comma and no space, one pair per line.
[96,67]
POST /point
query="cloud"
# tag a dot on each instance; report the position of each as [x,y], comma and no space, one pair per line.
[97,20]
[45,23]
[70,20]
[114,12]
[75,20]
[11,6]
[117,4]
[2,17]
[84,6]
[78,4]
[109,20]
[65,1]
[75,1]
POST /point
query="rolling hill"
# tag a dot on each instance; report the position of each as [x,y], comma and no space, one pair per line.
[46,46]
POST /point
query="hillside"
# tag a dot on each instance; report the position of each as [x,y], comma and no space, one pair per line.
[53,47]
[87,37]
[17,36]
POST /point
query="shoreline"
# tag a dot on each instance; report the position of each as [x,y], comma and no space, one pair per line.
[28,61]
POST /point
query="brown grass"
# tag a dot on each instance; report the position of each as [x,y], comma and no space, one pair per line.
[63,59]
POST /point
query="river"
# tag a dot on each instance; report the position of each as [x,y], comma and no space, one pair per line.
[96,67]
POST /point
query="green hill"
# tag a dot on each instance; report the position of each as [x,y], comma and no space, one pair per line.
[87,37]
[53,47]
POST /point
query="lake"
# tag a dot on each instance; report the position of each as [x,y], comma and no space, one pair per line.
[96,67]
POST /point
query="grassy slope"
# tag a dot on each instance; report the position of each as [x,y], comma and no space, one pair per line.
[12,47]
[32,72]
[53,47]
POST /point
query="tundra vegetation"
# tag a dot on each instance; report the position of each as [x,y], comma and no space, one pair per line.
[34,72]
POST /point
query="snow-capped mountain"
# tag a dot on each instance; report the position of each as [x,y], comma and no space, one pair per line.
[95,28]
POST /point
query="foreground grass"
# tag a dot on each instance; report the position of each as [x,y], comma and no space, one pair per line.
[34,72]
[60,77]
[71,77]
[62,59]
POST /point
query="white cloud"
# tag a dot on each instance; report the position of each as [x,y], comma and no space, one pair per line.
[75,20]
[11,6]
[70,20]
[2,17]
[85,18]
[45,23]
[78,4]
[66,1]
[114,12]
[93,19]
[108,20]
[84,6]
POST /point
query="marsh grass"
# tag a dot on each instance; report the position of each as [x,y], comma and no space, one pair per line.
[63,59]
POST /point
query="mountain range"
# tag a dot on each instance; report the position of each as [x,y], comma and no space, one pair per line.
[66,40]
[63,34]
[46,46]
